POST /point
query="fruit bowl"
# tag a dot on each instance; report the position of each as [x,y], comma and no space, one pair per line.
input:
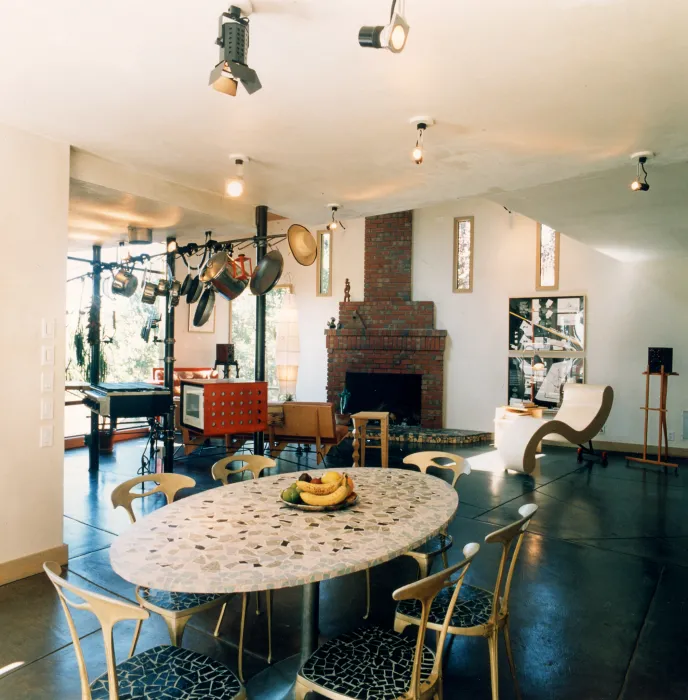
[350,501]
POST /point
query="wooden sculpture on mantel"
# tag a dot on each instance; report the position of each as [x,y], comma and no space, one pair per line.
[347,290]
[662,459]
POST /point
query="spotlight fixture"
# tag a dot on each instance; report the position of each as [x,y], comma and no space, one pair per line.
[235,186]
[640,183]
[421,124]
[233,39]
[334,223]
[139,236]
[391,36]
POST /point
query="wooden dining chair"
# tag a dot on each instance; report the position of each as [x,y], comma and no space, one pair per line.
[426,554]
[176,609]
[478,612]
[221,471]
[373,662]
[160,672]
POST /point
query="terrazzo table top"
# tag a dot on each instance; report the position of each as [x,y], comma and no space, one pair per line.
[240,537]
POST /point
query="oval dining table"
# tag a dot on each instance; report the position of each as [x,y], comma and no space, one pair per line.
[242,538]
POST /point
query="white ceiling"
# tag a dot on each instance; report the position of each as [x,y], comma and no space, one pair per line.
[524,93]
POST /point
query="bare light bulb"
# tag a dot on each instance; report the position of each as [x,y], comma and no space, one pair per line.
[398,38]
[417,155]
[235,187]
[332,226]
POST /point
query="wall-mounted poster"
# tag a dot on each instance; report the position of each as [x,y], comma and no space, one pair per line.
[541,380]
[547,324]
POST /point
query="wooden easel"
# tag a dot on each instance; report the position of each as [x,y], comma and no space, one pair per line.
[662,451]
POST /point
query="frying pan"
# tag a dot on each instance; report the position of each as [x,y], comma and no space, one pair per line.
[205,307]
[193,294]
[267,273]
[302,244]
[185,285]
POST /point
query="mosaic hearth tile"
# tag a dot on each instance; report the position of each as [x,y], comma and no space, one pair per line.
[241,537]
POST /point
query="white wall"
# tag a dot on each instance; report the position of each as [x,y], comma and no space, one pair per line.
[34,194]
[630,307]
[194,349]
[315,311]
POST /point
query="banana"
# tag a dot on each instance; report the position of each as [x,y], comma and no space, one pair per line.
[332,499]
[318,489]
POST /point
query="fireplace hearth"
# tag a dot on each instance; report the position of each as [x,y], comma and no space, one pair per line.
[398,394]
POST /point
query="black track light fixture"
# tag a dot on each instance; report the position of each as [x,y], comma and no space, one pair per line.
[421,124]
[390,36]
[233,39]
[334,222]
[640,184]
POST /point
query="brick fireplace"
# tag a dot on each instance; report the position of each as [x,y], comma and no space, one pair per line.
[387,332]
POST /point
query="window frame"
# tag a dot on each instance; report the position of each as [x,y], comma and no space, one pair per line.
[455,274]
[318,279]
[538,260]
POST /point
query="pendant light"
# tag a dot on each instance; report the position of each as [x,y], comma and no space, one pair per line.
[640,184]
[235,186]
[421,124]
[288,346]
[334,223]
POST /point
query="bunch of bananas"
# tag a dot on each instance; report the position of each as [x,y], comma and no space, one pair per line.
[330,490]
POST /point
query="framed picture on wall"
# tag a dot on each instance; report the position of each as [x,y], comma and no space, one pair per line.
[541,380]
[547,324]
[208,327]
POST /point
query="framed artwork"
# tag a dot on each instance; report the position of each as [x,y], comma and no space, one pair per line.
[541,380]
[209,327]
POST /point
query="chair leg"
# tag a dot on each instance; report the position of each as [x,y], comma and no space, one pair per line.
[300,691]
[510,657]
[240,663]
[268,605]
[445,559]
[493,644]
[176,626]
[258,610]
[216,633]
[367,612]
[137,630]
[423,567]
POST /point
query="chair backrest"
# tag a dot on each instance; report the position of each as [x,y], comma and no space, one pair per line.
[255,464]
[425,591]
[302,419]
[425,460]
[108,611]
[585,407]
[506,537]
[168,484]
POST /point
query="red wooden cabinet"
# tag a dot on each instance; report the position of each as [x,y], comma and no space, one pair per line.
[222,407]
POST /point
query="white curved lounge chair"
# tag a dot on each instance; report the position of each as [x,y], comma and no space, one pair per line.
[583,412]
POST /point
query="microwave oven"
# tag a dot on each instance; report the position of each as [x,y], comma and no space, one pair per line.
[223,407]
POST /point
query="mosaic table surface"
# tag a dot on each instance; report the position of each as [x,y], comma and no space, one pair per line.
[242,538]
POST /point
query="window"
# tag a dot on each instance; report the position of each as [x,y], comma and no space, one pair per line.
[463,254]
[243,335]
[324,277]
[547,258]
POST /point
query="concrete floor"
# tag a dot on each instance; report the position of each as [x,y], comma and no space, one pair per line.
[598,603]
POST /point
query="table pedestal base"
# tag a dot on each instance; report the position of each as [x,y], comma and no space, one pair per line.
[277,682]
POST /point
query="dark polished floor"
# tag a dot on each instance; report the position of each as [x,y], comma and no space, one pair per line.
[599,601]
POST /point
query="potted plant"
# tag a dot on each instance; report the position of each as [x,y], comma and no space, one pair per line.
[343,417]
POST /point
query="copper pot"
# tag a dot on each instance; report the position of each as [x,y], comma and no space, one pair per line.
[219,272]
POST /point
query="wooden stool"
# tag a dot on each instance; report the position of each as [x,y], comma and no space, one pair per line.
[360,422]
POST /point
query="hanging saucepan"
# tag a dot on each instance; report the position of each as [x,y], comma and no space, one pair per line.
[150,290]
[193,293]
[218,271]
[267,273]
[302,244]
[124,283]
[175,292]
[205,307]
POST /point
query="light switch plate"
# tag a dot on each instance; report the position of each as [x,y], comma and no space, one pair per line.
[48,355]
[47,408]
[47,383]
[46,439]
[47,328]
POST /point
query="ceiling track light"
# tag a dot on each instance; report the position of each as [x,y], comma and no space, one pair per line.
[334,223]
[390,36]
[235,187]
[233,40]
[640,183]
[421,124]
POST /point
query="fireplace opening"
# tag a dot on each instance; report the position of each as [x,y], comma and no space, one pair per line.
[399,394]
